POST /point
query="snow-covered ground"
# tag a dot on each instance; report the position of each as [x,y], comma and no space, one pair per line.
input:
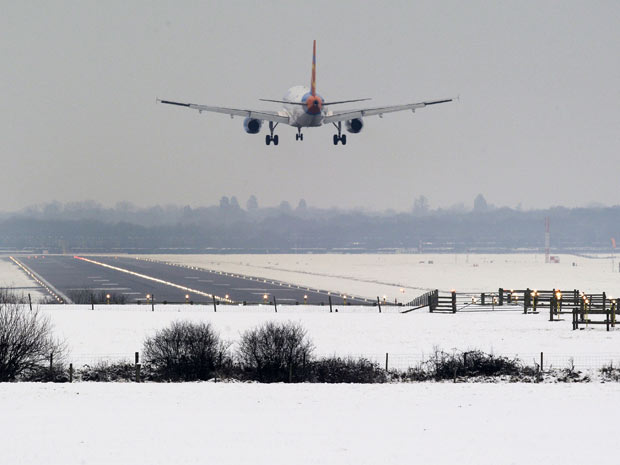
[238,423]
[12,276]
[373,275]
[116,332]
[199,423]
[400,276]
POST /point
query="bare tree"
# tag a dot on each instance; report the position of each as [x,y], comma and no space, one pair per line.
[186,351]
[26,342]
[275,351]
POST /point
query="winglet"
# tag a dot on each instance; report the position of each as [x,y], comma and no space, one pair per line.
[313,82]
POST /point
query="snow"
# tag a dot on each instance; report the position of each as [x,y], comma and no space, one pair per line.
[372,275]
[191,423]
[12,276]
[117,332]
[238,423]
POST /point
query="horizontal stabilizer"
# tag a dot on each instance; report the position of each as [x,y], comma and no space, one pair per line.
[281,101]
[346,101]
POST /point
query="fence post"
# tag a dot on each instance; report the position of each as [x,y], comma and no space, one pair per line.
[453,301]
[501,296]
[30,301]
[607,319]
[214,304]
[541,361]
[51,366]
[575,324]
[379,303]
[71,372]
[386,361]
[527,294]
[275,304]
[330,303]
[137,372]
[552,305]
[152,302]
[137,358]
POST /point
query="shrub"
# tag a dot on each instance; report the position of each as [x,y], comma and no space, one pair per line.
[610,373]
[345,370]
[104,371]
[471,364]
[275,352]
[186,352]
[26,344]
[9,296]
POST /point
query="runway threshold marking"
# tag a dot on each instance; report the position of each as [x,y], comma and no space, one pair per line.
[151,278]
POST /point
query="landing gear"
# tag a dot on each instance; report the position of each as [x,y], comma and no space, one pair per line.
[269,138]
[340,136]
[299,135]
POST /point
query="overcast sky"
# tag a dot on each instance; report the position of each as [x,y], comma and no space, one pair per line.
[538,121]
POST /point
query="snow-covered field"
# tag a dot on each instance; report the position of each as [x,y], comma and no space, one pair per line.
[238,423]
[202,423]
[119,331]
[373,275]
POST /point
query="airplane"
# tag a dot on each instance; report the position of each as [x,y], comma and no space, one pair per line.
[304,108]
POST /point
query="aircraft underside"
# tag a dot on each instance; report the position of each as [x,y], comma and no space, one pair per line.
[305,108]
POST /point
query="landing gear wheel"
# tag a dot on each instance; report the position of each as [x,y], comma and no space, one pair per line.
[301,137]
[269,138]
[339,137]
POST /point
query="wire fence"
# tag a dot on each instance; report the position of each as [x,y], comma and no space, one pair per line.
[232,308]
[547,361]
[402,362]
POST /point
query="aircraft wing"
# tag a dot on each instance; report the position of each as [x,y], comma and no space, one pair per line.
[262,115]
[345,115]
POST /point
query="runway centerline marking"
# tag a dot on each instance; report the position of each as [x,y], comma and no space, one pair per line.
[151,278]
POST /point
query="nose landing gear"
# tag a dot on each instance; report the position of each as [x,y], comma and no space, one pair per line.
[339,137]
[299,135]
[269,138]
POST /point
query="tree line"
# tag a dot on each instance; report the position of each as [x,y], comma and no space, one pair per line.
[229,228]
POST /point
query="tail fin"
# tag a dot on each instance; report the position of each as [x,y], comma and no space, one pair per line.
[313,82]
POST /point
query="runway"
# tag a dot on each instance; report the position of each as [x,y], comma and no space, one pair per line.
[136,278]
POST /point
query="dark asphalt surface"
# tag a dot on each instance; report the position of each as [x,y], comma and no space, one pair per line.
[68,273]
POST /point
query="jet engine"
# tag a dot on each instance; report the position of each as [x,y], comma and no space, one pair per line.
[354,125]
[251,125]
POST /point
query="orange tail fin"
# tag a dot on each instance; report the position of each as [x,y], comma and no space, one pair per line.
[313,82]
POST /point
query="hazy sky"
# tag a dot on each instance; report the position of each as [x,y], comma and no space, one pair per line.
[538,121]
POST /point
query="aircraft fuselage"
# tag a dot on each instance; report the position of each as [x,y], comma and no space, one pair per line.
[302,116]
